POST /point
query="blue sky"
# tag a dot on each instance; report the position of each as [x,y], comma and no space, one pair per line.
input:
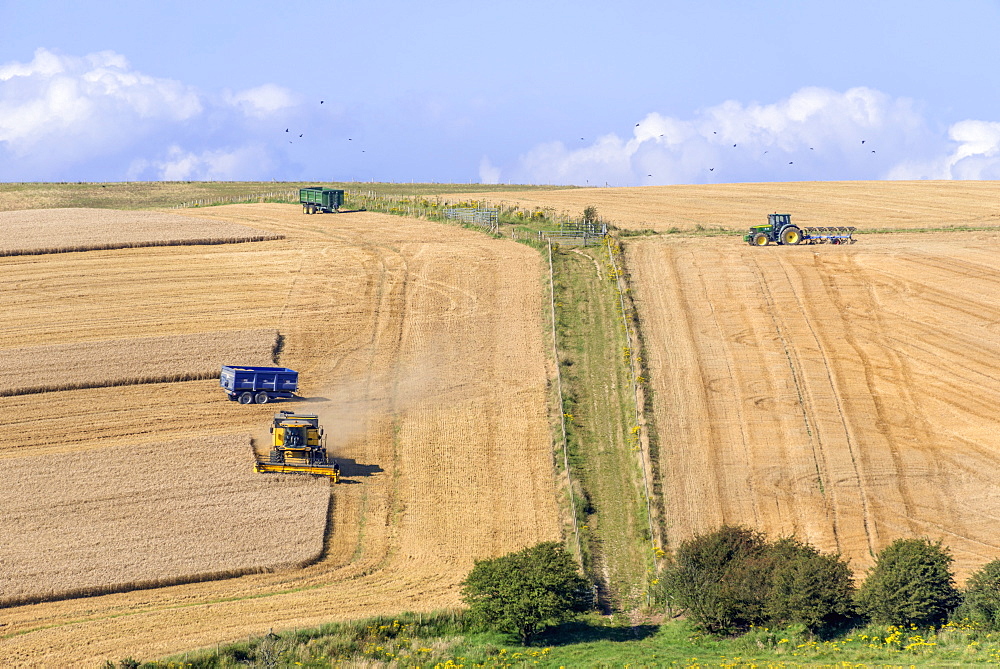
[624,93]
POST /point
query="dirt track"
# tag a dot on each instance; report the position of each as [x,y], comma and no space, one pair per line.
[846,394]
[419,346]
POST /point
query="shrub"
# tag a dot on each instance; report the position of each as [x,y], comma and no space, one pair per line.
[720,579]
[732,579]
[523,593]
[910,584]
[808,588]
[590,214]
[981,598]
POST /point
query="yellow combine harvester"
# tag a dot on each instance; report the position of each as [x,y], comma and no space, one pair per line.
[298,446]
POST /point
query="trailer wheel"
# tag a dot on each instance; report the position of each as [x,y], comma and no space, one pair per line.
[262,398]
[246,398]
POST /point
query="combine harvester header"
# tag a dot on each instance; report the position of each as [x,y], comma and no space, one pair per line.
[780,230]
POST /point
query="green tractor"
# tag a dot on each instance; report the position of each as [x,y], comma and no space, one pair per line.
[780,230]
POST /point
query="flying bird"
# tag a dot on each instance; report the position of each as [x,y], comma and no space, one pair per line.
[321,101]
[649,175]
[862,141]
[790,163]
[734,146]
[286,129]
[300,135]
[711,169]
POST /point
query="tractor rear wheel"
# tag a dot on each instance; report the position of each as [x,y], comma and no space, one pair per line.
[246,398]
[760,239]
[262,398]
[791,235]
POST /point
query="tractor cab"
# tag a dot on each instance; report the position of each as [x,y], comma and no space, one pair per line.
[779,230]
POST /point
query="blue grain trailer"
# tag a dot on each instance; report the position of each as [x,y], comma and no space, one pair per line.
[258,384]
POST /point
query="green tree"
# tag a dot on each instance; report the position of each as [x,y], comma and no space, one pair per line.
[590,214]
[523,593]
[981,597]
[910,583]
[721,579]
[810,588]
[733,578]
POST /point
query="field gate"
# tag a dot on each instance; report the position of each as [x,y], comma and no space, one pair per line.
[484,218]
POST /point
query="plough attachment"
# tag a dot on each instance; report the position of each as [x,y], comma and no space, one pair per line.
[833,235]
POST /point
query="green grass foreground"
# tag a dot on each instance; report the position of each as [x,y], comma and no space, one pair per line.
[445,640]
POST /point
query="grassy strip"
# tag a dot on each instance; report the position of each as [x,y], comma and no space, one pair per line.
[599,406]
[447,639]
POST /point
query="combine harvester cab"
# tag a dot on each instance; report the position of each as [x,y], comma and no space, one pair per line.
[298,446]
[780,230]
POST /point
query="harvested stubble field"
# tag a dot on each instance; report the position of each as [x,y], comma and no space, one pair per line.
[128,517]
[845,394]
[417,343]
[895,205]
[119,362]
[41,231]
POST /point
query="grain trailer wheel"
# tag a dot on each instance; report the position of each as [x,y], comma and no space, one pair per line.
[791,235]
[246,398]
[262,398]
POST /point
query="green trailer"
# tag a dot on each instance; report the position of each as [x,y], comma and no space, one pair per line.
[319,200]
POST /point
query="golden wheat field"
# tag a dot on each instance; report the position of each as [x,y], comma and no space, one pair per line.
[41,231]
[417,343]
[898,205]
[69,532]
[119,362]
[844,394]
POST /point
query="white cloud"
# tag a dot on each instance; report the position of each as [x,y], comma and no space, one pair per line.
[244,163]
[262,101]
[76,105]
[814,134]
[92,117]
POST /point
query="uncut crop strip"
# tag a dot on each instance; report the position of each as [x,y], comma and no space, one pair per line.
[38,232]
[119,362]
[178,512]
